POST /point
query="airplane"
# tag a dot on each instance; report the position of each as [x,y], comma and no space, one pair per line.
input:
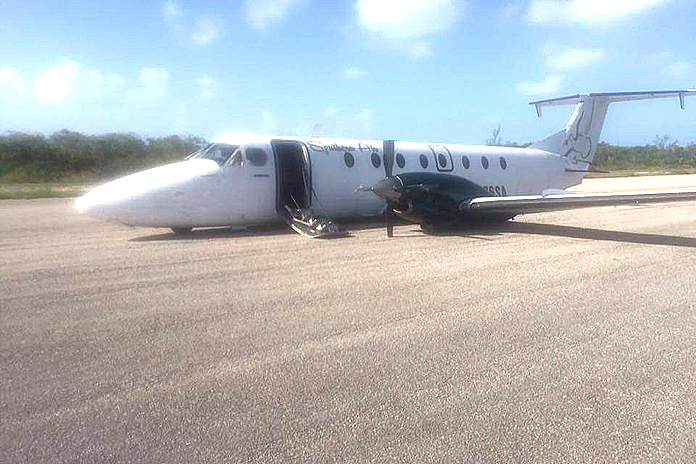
[245,180]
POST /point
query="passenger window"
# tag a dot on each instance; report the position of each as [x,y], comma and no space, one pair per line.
[465,162]
[424,161]
[349,159]
[400,160]
[484,162]
[376,160]
[503,163]
[256,156]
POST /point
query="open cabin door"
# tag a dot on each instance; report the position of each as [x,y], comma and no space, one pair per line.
[294,190]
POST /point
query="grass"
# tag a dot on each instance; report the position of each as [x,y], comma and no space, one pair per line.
[640,172]
[27,191]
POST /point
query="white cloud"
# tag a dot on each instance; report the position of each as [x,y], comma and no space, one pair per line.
[264,13]
[667,64]
[98,85]
[69,81]
[549,85]
[364,123]
[513,9]
[586,11]
[407,24]
[269,123]
[420,50]
[58,83]
[678,69]
[172,12]
[153,86]
[208,88]
[207,30]
[348,123]
[564,59]
[353,73]
[412,19]
[153,77]
[13,86]
[199,31]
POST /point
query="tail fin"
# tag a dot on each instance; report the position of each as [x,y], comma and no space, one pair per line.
[578,141]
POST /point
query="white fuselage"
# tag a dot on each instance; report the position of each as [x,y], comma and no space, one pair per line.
[202,192]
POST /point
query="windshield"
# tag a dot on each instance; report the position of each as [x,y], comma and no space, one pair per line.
[218,152]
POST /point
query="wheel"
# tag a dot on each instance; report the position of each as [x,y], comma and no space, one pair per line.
[182,230]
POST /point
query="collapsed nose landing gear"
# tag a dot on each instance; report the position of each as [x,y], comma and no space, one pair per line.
[306,223]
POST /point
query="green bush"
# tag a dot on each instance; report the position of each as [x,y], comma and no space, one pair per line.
[67,155]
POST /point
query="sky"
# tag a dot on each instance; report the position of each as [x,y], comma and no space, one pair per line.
[446,71]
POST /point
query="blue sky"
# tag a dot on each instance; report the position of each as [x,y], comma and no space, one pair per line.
[425,70]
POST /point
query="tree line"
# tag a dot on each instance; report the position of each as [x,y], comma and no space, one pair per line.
[67,155]
[72,156]
[662,154]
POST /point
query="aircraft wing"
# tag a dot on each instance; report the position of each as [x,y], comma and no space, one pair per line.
[558,202]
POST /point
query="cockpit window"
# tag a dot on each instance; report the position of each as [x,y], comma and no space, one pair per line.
[236,158]
[257,156]
[220,153]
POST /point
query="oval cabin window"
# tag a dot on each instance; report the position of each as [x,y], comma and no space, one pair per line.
[376,160]
[424,161]
[349,159]
[400,160]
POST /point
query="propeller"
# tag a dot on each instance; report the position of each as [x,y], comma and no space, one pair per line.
[388,159]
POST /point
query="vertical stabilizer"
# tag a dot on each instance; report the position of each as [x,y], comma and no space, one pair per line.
[577,143]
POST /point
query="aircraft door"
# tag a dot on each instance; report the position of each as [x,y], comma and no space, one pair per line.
[254,182]
[294,175]
[443,158]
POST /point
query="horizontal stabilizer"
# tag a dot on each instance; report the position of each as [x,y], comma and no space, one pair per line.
[539,203]
[611,97]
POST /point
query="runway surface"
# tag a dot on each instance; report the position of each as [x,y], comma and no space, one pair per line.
[563,337]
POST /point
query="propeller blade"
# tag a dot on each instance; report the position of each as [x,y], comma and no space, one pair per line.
[389,219]
[388,155]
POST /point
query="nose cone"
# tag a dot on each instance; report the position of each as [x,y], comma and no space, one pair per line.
[389,189]
[143,198]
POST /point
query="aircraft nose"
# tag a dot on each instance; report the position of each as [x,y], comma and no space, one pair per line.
[145,198]
[107,202]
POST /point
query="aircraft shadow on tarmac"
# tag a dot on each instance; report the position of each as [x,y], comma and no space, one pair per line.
[475,232]
[553,230]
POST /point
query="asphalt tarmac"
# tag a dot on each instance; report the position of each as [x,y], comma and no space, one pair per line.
[562,337]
